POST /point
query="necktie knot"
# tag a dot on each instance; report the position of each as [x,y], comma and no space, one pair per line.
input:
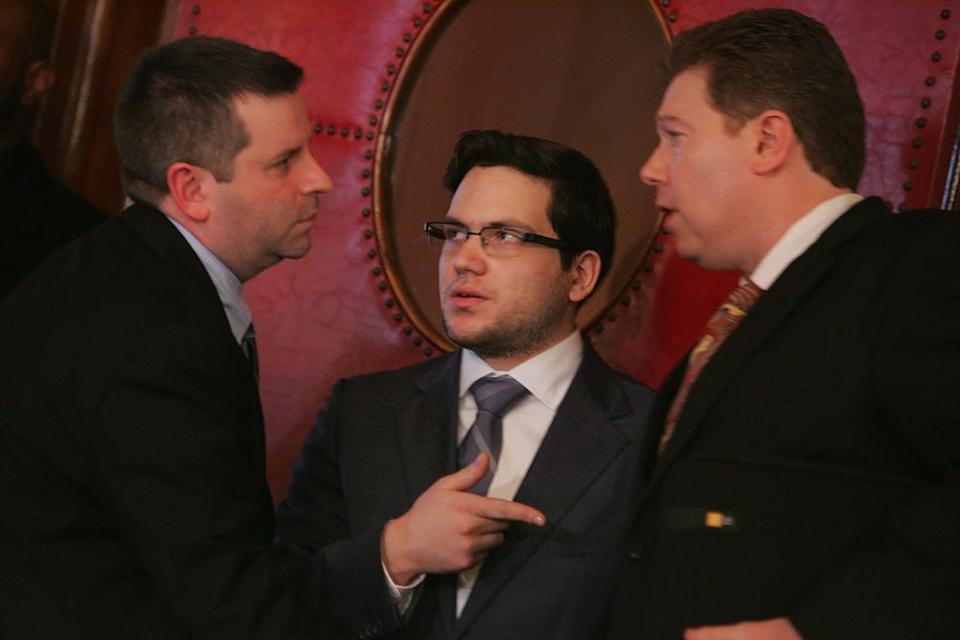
[721,324]
[497,394]
[494,396]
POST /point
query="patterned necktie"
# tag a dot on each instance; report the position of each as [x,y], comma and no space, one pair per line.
[721,324]
[249,344]
[495,396]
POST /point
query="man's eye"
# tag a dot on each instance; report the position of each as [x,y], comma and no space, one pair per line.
[453,234]
[507,236]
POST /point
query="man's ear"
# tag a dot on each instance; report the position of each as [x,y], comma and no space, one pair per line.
[774,140]
[37,80]
[188,189]
[586,272]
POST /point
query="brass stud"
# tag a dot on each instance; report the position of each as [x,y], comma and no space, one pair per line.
[331,129]
[398,52]
[417,22]
[913,164]
[407,331]
[657,247]
[372,253]
[917,143]
[365,173]
[636,285]
[418,341]
[368,233]
[925,103]
[378,104]
[426,8]
[647,267]
[930,81]
[389,303]
[936,56]
[945,14]
[369,135]
[365,192]
[921,123]
[407,38]
[192,31]
[365,213]
[625,301]
[384,86]
[908,186]
[368,154]
[672,17]
[196,9]
[940,35]
[373,121]
[357,134]
[398,316]
[318,128]
[382,286]
[428,351]
[376,271]
[391,69]
[665,3]
[611,317]
[344,132]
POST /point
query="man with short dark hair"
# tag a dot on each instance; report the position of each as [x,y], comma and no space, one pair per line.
[807,477]
[38,214]
[525,409]
[131,434]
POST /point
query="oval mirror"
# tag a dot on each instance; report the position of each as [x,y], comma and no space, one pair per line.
[580,72]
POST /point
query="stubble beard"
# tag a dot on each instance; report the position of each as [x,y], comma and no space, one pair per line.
[517,336]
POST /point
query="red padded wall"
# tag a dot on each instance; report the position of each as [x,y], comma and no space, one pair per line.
[332,314]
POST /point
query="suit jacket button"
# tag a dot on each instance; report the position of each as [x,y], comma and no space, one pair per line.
[634,553]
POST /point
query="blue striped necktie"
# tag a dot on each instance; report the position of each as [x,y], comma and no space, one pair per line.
[495,396]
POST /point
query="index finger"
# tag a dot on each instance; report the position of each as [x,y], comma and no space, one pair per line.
[497,509]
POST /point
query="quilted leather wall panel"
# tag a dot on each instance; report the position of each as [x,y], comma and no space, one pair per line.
[332,314]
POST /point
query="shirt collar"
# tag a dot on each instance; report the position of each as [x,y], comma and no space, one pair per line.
[228,285]
[547,375]
[799,237]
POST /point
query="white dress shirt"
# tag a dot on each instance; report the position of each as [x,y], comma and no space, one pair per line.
[547,376]
[799,237]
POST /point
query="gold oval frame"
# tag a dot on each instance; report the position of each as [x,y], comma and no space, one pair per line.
[400,94]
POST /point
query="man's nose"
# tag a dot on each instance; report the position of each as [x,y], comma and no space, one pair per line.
[317,179]
[652,172]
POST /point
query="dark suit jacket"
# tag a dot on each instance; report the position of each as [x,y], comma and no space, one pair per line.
[826,432]
[383,439]
[37,215]
[132,484]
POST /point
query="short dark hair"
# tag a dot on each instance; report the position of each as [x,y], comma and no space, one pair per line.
[176,105]
[580,211]
[780,59]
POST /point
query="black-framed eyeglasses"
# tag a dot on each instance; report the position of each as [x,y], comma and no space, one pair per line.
[496,240]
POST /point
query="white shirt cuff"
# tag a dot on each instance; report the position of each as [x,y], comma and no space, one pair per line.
[402,596]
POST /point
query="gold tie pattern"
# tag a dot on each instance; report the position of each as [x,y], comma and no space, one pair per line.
[721,324]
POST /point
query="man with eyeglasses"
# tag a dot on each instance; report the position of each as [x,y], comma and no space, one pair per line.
[526,410]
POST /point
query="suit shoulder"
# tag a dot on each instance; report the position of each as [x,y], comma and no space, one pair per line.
[398,381]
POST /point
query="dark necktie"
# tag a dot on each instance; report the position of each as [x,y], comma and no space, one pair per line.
[249,344]
[721,324]
[495,396]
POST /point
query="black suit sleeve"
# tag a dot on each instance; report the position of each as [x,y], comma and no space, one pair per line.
[180,468]
[904,581]
[314,518]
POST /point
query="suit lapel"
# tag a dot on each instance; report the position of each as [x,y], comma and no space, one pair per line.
[789,290]
[769,313]
[427,430]
[580,444]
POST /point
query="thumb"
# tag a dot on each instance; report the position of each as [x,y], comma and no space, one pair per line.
[465,477]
